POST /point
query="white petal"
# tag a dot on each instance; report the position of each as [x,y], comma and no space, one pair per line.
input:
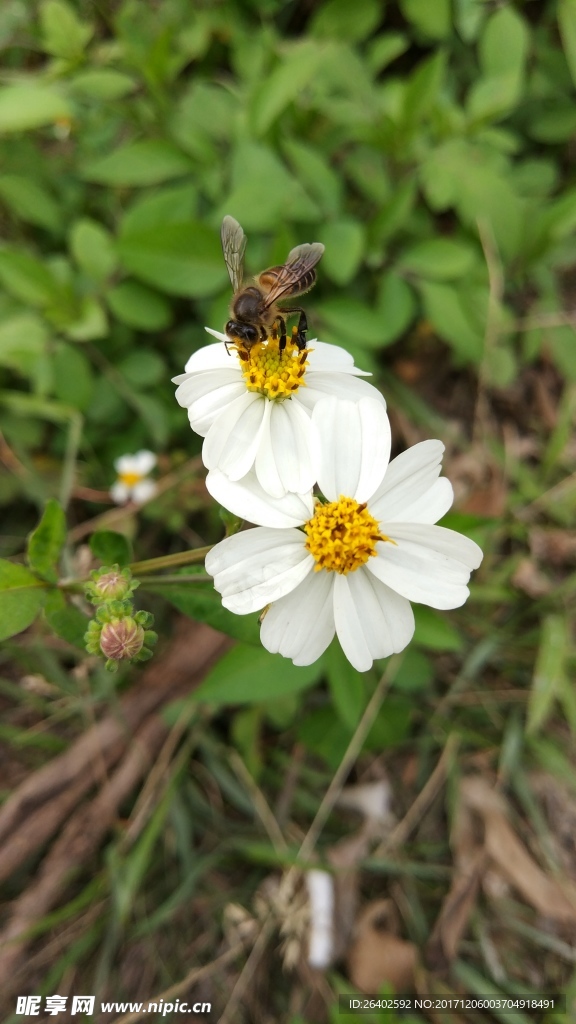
[371,620]
[288,456]
[431,506]
[208,394]
[333,359]
[428,564]
[143,491]
[342,385]
[407,478]
[211,357]
[254,568]
[203,413]
[354,446]
[144,461]
[301,625]
[125,464]
[234,437]
[194,386]
[247,499]
[119,492]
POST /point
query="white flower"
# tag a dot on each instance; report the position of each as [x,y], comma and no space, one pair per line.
[131,483]
[361,557]
[254,409]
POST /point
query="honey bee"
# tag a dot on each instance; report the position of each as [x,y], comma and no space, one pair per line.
[254,312]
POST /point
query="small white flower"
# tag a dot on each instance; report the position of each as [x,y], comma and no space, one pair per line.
[254,409]
[131,484]
[361,557]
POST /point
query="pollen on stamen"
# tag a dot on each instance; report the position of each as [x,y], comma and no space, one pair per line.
[342,536]
[275,374]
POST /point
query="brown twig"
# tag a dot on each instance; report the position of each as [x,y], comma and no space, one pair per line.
[193,976]
[85,830]
[193,649]
[416,811]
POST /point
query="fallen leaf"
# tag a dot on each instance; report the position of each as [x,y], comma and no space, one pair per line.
[553,547]
[512,858]
[470,859]
[377,956]
[530,579]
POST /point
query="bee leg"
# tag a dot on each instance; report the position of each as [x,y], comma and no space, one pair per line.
[300,334]
[302,330]
[282,344]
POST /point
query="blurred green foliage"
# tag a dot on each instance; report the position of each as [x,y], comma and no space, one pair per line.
[405,136]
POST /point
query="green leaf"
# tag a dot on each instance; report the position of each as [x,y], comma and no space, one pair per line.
[93,248]
[415,673]
[138,306]
[503,52]
[30,105]
[147,162]
[470,177]
[172,204]
[504,43]
[446,312]
[440,259]
[23,341]
[353,319]
[182,259]
[285,83]
[432,19]
[316,174]
[567,25]
[558,124]
[30,201]
[21,598]
[90,322]
[263,192]
[434,631]
[203,604]
[102,84]
[46,541]
[143,368]
[396,305]
[247,674]
[386,48]
[111,547]
[65,619]
[27,278]
[63,34]
[549,671]
[423,88]
[73,376]
[339,19]
[345,242]
[347,685]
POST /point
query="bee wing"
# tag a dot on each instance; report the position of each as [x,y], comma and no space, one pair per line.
[233,246]
[294,277]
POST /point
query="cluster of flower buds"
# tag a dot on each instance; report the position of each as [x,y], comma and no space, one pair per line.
[117,631]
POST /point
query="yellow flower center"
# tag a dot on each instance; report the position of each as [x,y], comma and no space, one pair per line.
[342,536]
[275,374]
[130,479]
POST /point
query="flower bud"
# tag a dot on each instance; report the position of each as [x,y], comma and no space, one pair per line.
[121,639]
[110,583]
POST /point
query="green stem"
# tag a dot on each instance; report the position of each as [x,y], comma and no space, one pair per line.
[175,578]
[170,561]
